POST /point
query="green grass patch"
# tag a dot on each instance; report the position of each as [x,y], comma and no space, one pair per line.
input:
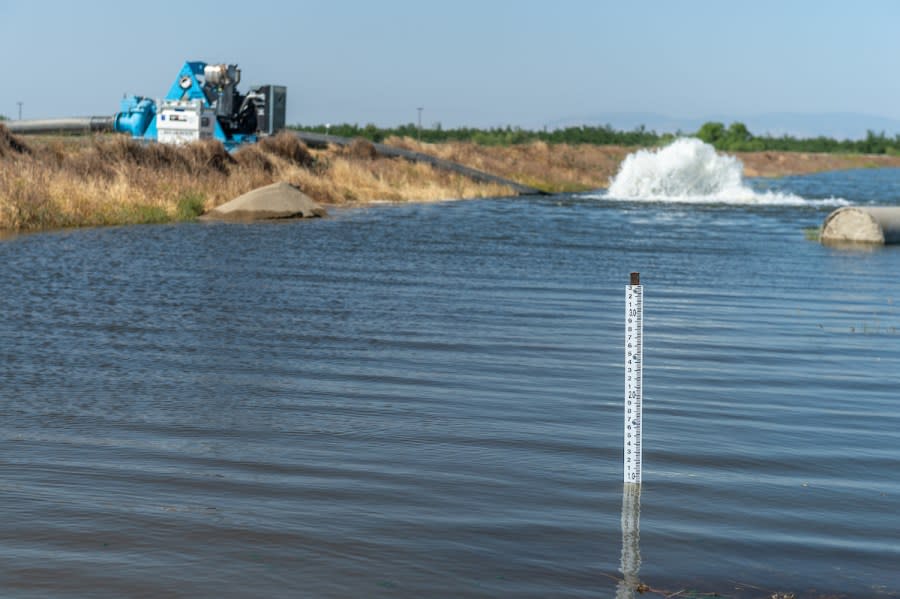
[143,215]
[190,206]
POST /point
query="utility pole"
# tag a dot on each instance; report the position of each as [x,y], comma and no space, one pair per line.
[419,131]
[20,110]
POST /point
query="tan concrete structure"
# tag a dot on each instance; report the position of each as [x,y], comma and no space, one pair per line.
[862,224]
[276,201]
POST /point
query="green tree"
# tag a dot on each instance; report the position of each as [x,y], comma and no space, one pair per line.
[372,133]
[738,138]
[874,143]
[739,132]
[711,132]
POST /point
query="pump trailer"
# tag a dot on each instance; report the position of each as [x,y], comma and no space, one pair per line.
[204,103]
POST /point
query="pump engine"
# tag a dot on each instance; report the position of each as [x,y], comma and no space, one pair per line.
[204,102]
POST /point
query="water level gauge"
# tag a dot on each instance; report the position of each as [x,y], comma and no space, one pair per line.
[634,356]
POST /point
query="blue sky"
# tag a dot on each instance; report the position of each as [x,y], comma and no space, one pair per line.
[479,63]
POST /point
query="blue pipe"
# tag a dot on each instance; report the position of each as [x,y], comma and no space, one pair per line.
[135,115]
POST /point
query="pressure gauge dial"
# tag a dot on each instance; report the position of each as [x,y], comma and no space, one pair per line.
[185,82]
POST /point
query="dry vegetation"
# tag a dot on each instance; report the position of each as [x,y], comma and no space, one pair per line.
[563,167]
[552,168]
[52,182]
[779,164]
[111,179]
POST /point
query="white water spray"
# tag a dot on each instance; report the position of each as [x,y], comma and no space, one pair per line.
[690,171]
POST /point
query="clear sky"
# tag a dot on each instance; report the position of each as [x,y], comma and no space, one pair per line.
[466,62]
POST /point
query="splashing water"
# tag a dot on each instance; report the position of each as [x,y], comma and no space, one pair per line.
[690,171]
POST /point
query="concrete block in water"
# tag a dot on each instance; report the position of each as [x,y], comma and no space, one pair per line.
[862,224]
[276,201]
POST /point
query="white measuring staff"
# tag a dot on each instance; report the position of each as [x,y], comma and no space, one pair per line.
[634,358]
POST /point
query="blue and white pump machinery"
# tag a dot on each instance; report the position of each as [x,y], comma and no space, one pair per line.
[204,103]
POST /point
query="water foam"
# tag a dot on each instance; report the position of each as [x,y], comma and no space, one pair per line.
[690,171]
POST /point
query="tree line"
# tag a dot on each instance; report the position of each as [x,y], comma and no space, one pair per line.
[733,138]
[737,138]
[496,136]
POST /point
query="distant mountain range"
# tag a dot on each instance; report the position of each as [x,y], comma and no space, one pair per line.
[839,125]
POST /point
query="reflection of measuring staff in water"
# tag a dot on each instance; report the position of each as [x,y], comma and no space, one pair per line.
[631,536]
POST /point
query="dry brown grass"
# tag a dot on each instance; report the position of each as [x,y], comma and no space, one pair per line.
[111,179]
[553,168]
[10,145]
[562,168]
[50,182]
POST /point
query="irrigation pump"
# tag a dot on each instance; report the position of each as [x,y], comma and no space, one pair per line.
[204,103]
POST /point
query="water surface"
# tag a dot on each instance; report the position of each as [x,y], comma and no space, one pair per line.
[425,400]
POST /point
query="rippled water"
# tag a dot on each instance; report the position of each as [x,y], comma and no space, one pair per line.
[425,400]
